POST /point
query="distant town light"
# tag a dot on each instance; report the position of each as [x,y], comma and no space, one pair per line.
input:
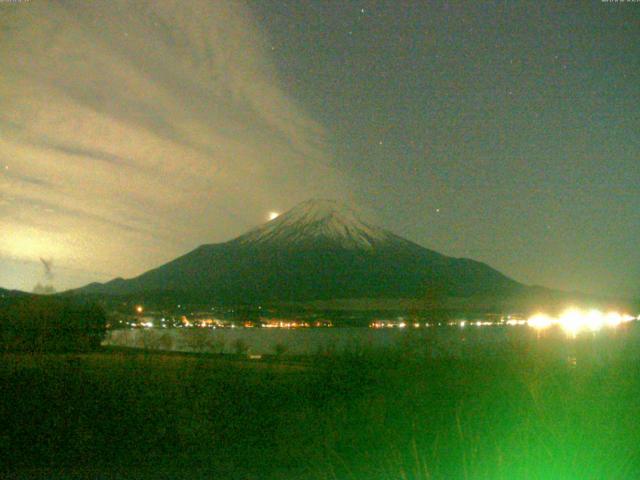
[574,320]
[540,321]
[139,309]
[571,321]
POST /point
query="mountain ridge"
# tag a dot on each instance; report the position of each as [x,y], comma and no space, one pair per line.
[318,250]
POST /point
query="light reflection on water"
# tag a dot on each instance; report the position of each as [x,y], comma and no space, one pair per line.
[444,341]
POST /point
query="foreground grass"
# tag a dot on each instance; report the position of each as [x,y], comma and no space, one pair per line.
[521,413]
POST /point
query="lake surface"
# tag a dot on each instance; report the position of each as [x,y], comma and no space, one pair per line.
[442,341]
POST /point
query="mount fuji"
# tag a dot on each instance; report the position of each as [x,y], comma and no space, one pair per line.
[319,250]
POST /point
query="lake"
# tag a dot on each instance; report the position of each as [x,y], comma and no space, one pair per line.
[436,341]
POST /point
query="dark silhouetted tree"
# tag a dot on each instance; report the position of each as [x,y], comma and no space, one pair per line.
[35,323]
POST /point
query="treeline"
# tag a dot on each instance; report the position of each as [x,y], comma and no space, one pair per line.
[46,324]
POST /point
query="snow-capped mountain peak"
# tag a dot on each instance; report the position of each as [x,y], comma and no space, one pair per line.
[319,250]
[318,220]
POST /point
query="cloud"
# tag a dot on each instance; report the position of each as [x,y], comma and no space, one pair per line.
[47,288]
[132,131]
[86,153]
[48,268]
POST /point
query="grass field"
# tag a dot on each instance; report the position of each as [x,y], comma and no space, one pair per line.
[522,414]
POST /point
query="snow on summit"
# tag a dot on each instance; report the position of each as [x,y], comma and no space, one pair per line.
[318,220]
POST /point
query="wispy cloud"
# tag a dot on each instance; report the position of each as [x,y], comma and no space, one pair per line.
[138,129]
[83,152]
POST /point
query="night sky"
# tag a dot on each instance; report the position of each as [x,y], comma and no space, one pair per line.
[508,132]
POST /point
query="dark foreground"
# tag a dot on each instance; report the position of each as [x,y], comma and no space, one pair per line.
[521,414]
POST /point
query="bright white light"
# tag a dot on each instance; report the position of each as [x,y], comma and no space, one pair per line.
[613,319]
[273,215]
[574,320]
[540,321]
[594,320]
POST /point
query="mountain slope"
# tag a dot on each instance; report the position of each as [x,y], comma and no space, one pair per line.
[318,250]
